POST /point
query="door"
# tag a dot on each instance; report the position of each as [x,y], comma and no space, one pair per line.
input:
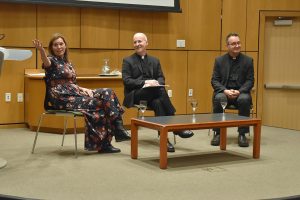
[281,94]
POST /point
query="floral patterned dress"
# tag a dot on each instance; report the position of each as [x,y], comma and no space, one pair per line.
[100,108]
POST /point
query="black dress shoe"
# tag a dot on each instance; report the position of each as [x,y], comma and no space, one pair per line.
[184,134]
[121,135]
[243,141]
[216,139]
[170,147]
[109,149]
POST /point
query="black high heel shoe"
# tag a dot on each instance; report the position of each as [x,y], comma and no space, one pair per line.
[120,133]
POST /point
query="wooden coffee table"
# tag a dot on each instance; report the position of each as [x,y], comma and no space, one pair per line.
[164,124]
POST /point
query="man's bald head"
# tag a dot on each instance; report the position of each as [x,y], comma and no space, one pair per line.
[140,42]
[140,35]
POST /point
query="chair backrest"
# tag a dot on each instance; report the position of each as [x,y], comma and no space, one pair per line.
[47,103]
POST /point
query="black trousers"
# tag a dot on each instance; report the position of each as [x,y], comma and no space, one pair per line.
[243,102]
[157,99]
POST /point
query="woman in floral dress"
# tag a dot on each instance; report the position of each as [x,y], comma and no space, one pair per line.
[101,107]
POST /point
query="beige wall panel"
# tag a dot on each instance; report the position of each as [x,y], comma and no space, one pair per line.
[99,28]
[281,67]
[234,20]
[199,75]
[12,81]
[132,22]
[204,28]
[169,27]
[58,19]
[253,8]
[18,23]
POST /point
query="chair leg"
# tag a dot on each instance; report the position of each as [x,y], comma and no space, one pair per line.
[65,130]
[252,115]
[75,135]
[37,132]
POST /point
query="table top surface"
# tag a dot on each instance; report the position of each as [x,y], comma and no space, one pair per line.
[195,119]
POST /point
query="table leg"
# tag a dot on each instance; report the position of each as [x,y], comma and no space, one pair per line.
[223,138]
[256,140]
[134,141]
[163,160]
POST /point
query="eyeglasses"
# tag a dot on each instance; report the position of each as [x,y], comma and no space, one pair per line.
[235,44]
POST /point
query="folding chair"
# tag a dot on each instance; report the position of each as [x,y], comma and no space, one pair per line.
[60,113]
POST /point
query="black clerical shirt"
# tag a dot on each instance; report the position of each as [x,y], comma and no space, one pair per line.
[233,73]
[145,67]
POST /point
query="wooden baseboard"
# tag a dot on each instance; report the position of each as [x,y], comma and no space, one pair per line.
[7,126]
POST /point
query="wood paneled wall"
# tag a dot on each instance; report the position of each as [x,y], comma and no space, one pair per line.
[234,15]
[99,28]
[55,19]
[204,24]
[18,23]
[253,9]
[94,34]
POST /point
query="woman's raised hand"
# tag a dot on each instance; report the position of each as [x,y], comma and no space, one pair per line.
[37,44]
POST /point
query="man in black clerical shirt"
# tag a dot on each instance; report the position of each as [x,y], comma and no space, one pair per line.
[141,74]
[232,81]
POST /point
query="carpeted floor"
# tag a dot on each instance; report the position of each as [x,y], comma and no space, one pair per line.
[195,171]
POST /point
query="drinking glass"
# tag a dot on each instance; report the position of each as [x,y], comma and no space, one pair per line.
[142,107]
[105,68]
[194,104]
[223,103]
